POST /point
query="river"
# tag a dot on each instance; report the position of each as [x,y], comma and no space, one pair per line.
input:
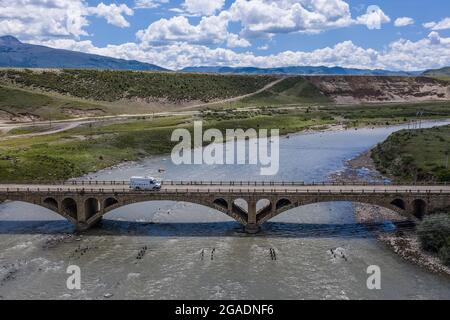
[192,252]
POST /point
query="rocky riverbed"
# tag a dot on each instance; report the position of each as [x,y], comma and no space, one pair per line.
[400,235]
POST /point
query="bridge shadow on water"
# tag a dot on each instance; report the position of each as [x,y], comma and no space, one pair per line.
[211,229]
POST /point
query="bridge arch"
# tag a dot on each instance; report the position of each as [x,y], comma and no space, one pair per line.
[283,203]
[221,202]
[70,208]
[399,203]
[109,202]
[241,204]
[51,203]
[91,207]
[263,206]
[262,203]
[419,208]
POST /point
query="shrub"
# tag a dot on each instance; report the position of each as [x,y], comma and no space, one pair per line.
[444,253]
[434,231]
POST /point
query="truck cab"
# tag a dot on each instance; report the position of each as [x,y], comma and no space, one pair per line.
[144,183]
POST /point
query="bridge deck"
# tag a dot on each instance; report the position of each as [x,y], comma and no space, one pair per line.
[230,188]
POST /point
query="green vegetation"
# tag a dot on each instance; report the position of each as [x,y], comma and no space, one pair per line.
[117,85]
[17,104]
[292,90]
[416,155]
[82,150]
[434,235]
[444,72]
[28,130]
[388,114]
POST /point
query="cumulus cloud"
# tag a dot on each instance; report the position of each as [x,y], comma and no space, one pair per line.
[30,19]
[265,17]
[403,21]
[373,18]
[203,7]
[441,25]
[148,4]
[211,30]
[114,14]
[430,52]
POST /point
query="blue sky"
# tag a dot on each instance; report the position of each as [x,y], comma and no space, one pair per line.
[421,11]
[264,33]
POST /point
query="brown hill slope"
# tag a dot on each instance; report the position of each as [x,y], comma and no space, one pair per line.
[356,89]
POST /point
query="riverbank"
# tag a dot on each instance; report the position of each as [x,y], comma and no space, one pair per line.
[421,155]
[402,240]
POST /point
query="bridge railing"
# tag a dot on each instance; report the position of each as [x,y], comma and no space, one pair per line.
[218,183]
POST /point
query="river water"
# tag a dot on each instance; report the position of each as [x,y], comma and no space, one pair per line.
[192,252]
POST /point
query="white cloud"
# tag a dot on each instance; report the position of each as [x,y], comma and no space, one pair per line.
[403,22]
[234,41]
[211,30]
[114,14]
[373,18]
[32,19]
[42,18]
[430,52]
[148,4]
[441,25]
[265,17]
[203,7]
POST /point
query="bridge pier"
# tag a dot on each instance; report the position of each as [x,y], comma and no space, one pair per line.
[252,226]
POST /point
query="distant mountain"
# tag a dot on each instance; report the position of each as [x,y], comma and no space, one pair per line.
[444,72]
[14,53]
[300,71]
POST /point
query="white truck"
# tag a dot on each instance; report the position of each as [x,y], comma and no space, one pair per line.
[144,183]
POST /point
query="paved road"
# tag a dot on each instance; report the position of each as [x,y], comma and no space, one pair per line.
[228,188]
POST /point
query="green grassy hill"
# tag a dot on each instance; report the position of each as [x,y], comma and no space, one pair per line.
[416,155]
[289,91]
[444,72]
[17,104]
[114,86]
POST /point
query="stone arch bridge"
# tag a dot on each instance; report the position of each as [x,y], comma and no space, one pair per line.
[84,203]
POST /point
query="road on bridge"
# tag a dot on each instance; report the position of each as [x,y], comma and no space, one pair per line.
[226,187]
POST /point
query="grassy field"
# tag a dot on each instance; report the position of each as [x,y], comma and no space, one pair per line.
[113,86]
[28,130]
[415,155]
[20,103]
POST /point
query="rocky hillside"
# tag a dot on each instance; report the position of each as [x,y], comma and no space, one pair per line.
[356,89]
